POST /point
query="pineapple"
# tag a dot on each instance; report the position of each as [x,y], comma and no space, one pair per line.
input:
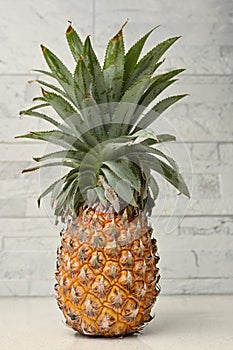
[107,274]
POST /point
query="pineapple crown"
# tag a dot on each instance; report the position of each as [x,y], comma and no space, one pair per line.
[104,114]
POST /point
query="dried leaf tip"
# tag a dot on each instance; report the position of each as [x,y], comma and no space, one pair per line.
[119,34]
[38,202]
[43,48]
[36,159]
[29,170]
[44,92]
[70,28]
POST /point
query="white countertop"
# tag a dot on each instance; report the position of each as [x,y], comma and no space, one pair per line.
[182,322]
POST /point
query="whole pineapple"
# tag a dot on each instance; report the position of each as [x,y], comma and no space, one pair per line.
[107,275]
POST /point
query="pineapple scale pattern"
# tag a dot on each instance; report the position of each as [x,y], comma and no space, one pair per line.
[107,278]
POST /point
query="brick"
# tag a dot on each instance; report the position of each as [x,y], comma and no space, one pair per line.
[12,170]
[16,287]
[182,242]
[216,88]
[12,207]
[24,265]
[177,264]
[14,127]
[181,206]
[194,157]
[205,186]
[197,121]
[226,153]
[45,210]
[197,286]
[20,153]
[16,94]
[18,188]
[31,243]
[41,287]
[226,54]
[196,263]
[45,25]
[227,188]
[30,227]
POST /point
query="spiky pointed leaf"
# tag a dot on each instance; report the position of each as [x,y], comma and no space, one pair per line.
[113,68]
[133,54]
[125,110]
[63,163]
[49,189]
[74,42]
[154,187]
[57,137]
[53,87]
[91,60]
[154,91]
[71,154]
[157,110]
[149,63]
[123,171]
[60,72]
[170,174]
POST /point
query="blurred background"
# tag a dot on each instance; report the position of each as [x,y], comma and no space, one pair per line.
[196,250]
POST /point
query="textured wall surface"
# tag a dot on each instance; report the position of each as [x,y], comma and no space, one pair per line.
[196,252]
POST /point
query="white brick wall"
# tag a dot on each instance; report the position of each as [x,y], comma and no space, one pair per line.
[196,252]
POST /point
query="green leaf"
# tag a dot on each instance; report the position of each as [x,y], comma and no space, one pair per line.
[158,84]
[157,110]
[168,75]
[74,42]
[170,174]
[149,63]
[62,107]
[83,80]
[88,171]
[165,138]
[154,91]
[74,155]
[33,108]
[122,188]
[90,111]
[133,54]
[49,189]
[64,163]
[154,187]
[49,74]
[147,149]
[75,196]
[122,169]
[57,137]
[99,88]
[100,193]
[143,135]
[60,72]
[113,69]
[126,108]
[53,87]
[30,112]
[71,117]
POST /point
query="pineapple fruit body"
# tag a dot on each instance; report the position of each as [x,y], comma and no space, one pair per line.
[107,278]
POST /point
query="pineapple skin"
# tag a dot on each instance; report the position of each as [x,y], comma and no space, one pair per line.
[107,278]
